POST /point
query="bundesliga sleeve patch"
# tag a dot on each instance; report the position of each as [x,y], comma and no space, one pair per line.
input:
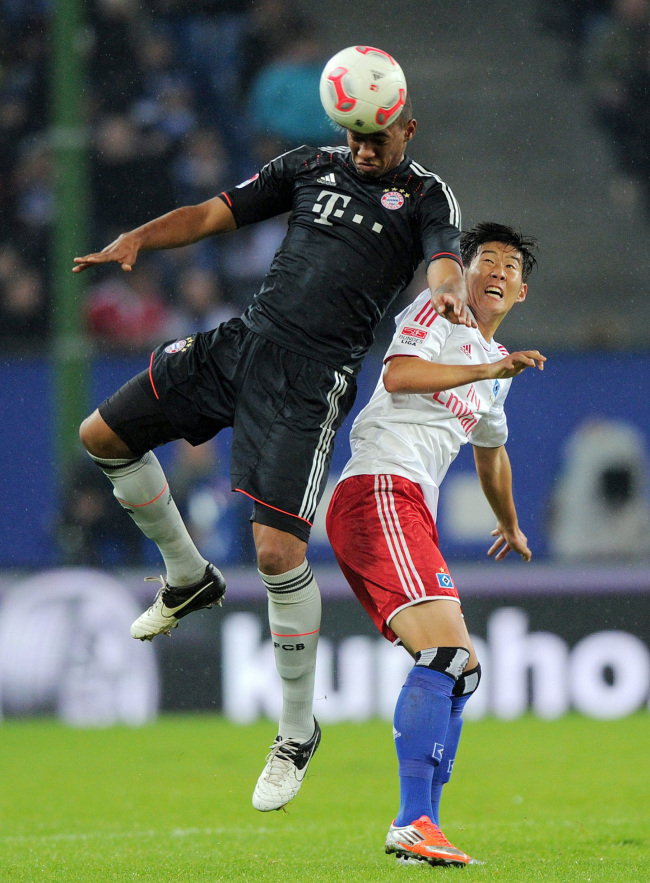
[445,581]
[412,336]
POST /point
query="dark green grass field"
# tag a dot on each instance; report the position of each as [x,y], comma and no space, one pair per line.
[547,801]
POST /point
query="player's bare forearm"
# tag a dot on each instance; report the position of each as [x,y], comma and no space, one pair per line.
[410,374]
[182,226]
[448,292]
[495,474]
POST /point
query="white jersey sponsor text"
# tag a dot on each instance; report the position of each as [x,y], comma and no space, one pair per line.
[418,436]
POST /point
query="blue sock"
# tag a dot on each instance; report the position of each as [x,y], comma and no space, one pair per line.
[442,772]
[421,718]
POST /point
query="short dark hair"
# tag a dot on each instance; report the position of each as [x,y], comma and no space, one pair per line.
[407,112]
[491,231]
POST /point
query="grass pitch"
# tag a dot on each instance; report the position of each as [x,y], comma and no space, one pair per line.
[537,801]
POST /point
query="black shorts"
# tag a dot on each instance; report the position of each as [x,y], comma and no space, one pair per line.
[284,408]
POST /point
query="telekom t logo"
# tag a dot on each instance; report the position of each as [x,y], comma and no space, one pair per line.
[327,208]
[333,205]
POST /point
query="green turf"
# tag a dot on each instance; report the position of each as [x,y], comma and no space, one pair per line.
[538,801]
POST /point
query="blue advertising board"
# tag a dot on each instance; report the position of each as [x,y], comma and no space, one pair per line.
[544,411]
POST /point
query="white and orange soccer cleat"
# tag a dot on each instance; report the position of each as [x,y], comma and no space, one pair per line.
[422,841]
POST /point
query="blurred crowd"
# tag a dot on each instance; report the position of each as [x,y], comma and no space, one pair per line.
[608,51]
[182,98]
[185,97]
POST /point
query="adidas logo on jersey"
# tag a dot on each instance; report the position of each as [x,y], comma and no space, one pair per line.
[327,179]
[467,349]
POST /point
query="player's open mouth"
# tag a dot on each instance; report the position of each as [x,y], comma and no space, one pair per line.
[494,292]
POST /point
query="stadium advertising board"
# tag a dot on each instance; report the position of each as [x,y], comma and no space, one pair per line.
[550,641]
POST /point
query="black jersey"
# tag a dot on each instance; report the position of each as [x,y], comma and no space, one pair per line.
[353,243]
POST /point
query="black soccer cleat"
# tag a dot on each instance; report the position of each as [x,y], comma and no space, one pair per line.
[172,603]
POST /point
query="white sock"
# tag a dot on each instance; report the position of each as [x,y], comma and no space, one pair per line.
[141,488]
[294,618]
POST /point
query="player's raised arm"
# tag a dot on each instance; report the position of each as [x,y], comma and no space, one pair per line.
[182,226]
[406,374]
[448,293]
[495,475]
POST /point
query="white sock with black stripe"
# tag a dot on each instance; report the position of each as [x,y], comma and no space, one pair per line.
[294,619]
[141,488]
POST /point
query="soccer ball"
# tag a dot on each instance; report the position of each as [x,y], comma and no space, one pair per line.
[363,89]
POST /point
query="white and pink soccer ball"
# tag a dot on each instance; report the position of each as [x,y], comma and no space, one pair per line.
[363,88]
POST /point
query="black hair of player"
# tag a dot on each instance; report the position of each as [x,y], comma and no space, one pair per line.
[491,231]
[407,113]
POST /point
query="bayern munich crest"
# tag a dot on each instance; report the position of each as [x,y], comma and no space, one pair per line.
[392,200]
[176,347]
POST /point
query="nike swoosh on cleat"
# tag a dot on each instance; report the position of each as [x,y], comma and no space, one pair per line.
[172,611]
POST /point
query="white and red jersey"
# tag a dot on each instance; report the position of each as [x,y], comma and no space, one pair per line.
[419,435]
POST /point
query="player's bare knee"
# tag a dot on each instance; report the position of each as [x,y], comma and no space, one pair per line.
[87,434]
[100,440]
[272,559]
[277,551]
